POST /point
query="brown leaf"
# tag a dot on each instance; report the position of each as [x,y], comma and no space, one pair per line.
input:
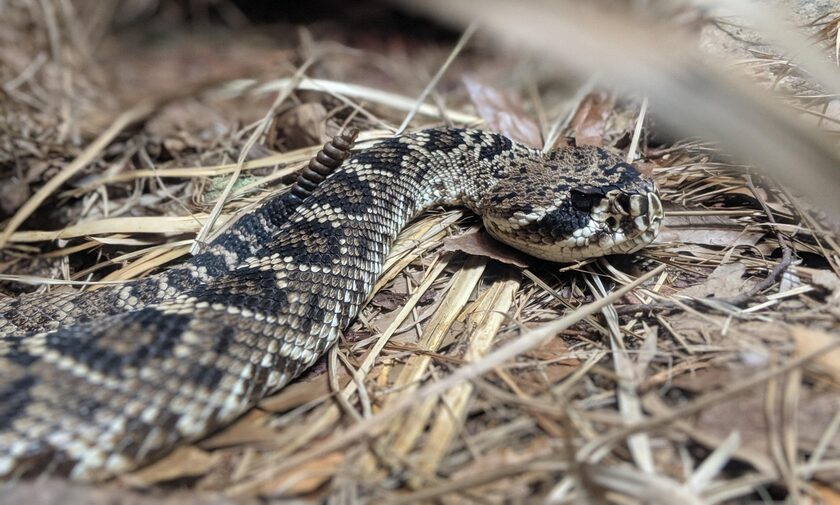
[829,496]
[718,231]
[645,168]
[550,350]
[186,461]
[503,112]
[305,479]
[479,243]
[301,392]
[302,126]
[250,429]
[826,279]
[388,300]
[700,381]
[706,328]
[534,381]
[514,452]
[745,414]
[13,193]
[50,491]
[809,340]
[716,237]
[385,319]
[725,281]
[590,119]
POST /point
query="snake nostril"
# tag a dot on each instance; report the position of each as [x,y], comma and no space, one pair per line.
[612,222]
[623,201]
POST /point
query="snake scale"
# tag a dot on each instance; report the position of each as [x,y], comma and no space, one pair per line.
[99,383]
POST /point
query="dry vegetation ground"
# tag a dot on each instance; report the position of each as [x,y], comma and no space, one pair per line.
[702,374]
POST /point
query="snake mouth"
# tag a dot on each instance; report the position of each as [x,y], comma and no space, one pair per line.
[641,231]
[631,222]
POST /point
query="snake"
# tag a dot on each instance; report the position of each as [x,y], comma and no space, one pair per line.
[98,383]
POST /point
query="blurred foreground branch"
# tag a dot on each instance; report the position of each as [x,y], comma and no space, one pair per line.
[691,95]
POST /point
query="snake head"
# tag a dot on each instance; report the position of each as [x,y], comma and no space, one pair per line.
[613,209]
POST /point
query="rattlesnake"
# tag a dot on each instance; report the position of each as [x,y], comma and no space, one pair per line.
[99,383]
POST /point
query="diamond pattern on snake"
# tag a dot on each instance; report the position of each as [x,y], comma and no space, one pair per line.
[100,383]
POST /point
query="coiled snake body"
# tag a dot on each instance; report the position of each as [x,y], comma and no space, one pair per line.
[95,384]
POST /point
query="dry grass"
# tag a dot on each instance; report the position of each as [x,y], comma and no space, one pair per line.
[704,370]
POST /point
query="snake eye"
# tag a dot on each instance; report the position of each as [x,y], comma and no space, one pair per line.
[583,199]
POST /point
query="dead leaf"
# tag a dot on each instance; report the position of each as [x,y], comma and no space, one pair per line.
[724,281]
[503,112]
[302,126]
[533,381]
[590,119]
[13,193]
[710,230]
[707,236]
[708,328]
[745,414]
[758,459]
[250,429]
[305,479]
[829,496]
[186,461]
[479,243]
[550,350]
[645,167]
[384,320]
[52,491]
[705,379]
[747,192]
[389,300]
[826,279]
[518,450]
[301,392]
[809,340]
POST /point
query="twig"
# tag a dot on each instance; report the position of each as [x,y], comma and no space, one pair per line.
[637,133]
[335,388]
[778,270]
[465,37]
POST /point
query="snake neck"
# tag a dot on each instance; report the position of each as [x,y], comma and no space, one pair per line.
[434,167]
[334,245]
